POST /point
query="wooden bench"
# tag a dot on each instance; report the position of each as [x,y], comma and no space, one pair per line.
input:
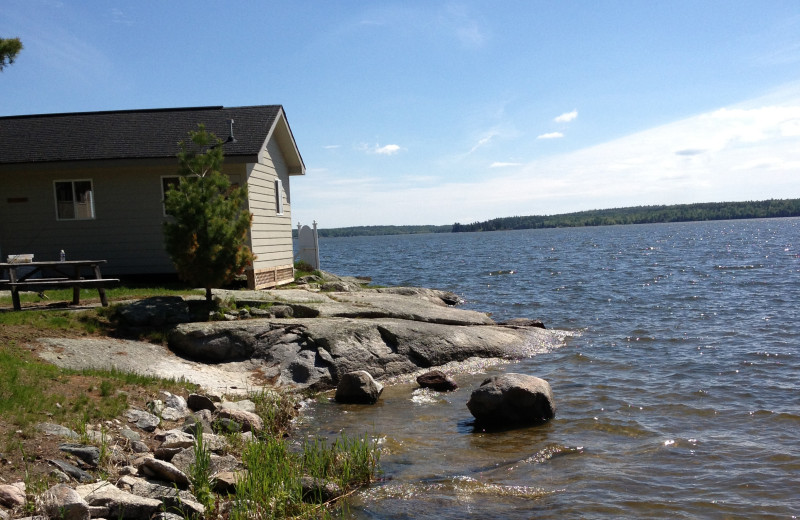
[43,284]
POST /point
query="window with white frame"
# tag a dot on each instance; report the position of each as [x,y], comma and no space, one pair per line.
[74,199]
[278,197]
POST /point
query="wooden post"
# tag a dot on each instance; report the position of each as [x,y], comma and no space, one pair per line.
[12,277]
[100,290]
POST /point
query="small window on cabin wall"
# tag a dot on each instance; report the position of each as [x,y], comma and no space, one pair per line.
[278,197]
[74,200]
[166,184]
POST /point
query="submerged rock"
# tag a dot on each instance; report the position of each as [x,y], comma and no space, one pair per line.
[512,400]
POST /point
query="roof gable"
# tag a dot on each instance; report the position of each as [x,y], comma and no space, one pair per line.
[134,134]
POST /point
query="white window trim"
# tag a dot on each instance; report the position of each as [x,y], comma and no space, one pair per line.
[74,200]
[278,197]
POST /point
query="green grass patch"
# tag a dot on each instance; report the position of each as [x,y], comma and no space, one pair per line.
[123,292]
[29,391]
[272,487]
[24,385]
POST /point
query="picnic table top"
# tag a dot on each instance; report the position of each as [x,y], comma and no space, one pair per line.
[50,263]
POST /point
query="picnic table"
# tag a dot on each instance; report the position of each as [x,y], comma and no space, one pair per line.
[22,276]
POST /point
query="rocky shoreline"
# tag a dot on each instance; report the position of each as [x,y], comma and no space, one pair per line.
[303,338]
[307,338]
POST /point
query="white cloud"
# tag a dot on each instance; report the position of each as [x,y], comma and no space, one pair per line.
[551,135]
[331,146]
[566,117]
[504,164]
[389,149]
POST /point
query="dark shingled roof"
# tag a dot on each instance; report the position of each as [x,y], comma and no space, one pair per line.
[129,134]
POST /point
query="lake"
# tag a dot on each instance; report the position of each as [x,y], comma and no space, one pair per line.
[676,383]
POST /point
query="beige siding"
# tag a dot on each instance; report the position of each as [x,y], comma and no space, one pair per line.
[270,234]
[126,230]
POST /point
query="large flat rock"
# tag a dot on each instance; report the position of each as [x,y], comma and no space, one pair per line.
[387,332]
[316,352]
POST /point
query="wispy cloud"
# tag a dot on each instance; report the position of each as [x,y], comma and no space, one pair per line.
[483,141]
[389,149]
[566,117]
[121,17]
[466,28]
[551,135]
[331,146]
[504,164]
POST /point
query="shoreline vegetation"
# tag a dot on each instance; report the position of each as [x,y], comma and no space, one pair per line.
[275,475]
[773,208]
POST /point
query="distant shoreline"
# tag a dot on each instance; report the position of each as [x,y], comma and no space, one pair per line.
[772,208]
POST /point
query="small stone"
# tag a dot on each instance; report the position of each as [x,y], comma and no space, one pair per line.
[128,470]
[144,420]
[63,502]
[60,476]
[165,471]
[281,311]
[88,454]
[72,471]
[319,491]
[11,496]
[245,405]
[120,504]
[56,430]
[225,482]
[437,380]
[224,426]
[248,420]
[200,402]
[139,447]
[194,422]
[129,434]
[166,453]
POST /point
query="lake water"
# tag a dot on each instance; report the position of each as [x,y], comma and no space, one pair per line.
[677,387]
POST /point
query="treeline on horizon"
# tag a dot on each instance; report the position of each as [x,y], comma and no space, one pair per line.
[773,208]
[643,215]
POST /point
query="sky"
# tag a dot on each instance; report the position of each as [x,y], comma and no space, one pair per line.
[425,112]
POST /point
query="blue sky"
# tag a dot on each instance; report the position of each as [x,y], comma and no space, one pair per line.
[425,112]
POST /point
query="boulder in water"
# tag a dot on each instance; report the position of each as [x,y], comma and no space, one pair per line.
[437,380]
[512,400]
[358,388]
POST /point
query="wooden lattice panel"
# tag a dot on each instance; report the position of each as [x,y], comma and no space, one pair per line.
[270,277]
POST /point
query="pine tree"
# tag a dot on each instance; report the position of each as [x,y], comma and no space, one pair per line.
[9,48]
[208,225]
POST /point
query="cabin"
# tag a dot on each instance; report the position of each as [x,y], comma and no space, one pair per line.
[93,183]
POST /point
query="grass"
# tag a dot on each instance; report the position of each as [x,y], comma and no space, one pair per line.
[273,481]
[32,391]
[123,292]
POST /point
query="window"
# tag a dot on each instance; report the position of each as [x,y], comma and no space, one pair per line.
[166,184]
[74,200]
[278,197]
